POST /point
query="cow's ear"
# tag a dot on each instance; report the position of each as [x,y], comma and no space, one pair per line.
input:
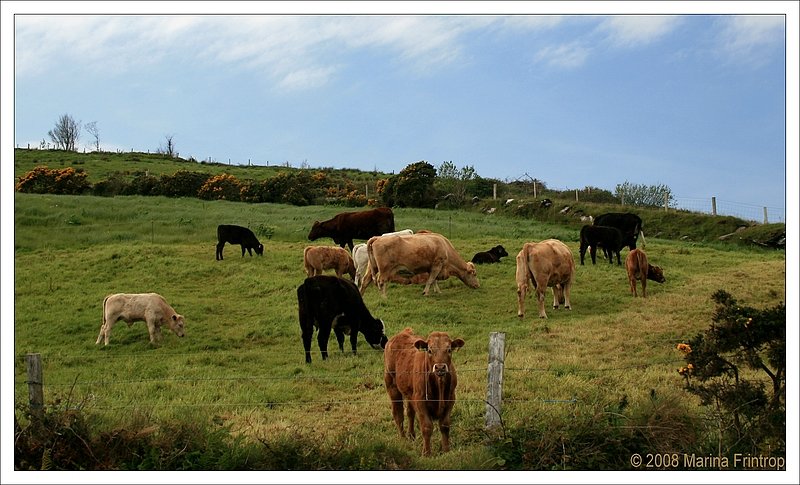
[174,317]
[421,344]
[457,343]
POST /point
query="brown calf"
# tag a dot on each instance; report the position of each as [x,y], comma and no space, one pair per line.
[422,372]
[317,259]
[638,268]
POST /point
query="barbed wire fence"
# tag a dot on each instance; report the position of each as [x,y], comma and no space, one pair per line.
[496,376]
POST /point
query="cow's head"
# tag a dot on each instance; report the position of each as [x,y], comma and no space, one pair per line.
[376,334]
[470,277]
[439,347]
[655,273]
[176,324]
[260,250]
[316,231]
[500,251]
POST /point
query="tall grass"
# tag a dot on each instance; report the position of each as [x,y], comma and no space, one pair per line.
[241,363]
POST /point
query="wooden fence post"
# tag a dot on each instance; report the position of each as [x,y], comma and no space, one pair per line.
[713,206]
[494,391]
[33,364]
[766,221]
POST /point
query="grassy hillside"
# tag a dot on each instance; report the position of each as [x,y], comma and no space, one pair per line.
[673,224]
[241,366]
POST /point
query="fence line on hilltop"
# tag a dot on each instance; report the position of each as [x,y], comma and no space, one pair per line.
[706,205]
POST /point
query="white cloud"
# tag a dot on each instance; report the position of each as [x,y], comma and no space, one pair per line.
[570,55]
[751,39]
[637,30]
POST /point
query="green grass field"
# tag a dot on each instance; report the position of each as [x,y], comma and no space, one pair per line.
[241,363]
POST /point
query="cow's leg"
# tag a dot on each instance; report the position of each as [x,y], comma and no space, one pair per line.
[307,333]
[105,331]
[152,330]
[558,296]
[366,279]
[339,338]
[444,429]
[353,339]
[593,254]
[644,285]
[582,251]
[396,400]
[541,287]
[632,283]
[436,267]
[323,336]
[521,290]
[619,261]
[220,245]
[243,250]
[566,288]
[426,426]
[412,413]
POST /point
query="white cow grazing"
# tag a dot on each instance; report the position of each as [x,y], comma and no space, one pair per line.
[361,259]
[151,308]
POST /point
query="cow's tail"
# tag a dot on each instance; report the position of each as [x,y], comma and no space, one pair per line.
[641,235]
[103,321]
[371,274]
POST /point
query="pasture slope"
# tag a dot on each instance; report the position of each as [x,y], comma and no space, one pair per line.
[241,363]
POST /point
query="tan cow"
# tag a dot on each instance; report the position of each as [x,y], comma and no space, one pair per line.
[637,267]
[421,372]
[317,259]
[418,253]
[547,263]
[361,259]
[151,308]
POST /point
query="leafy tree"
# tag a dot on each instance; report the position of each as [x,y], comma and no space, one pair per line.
[412,187]
[66,133]
[644,195]
[719,369]
[454,181]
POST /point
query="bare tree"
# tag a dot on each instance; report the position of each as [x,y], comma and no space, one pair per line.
[66,133]
[169,148]
[95,132]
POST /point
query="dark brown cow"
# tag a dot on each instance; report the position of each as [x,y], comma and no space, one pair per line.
[637,267]
[346,226]
[422,372]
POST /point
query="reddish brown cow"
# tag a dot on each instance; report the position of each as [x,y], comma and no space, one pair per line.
[317,259]
[346,226]
[638,268]
[421,372]
[546,263]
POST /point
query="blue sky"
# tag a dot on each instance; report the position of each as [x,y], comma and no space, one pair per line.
[695,102]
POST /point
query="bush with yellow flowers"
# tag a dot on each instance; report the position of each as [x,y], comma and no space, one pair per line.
[728,365]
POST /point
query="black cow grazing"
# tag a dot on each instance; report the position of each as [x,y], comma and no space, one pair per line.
[608,238]
[630,225]
[346,226]
[491,256]
[328,302]
[243,236]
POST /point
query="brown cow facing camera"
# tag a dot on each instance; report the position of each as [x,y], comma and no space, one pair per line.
[638,268]
[421,372]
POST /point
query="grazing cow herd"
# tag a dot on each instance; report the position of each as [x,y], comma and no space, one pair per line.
[418,372]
